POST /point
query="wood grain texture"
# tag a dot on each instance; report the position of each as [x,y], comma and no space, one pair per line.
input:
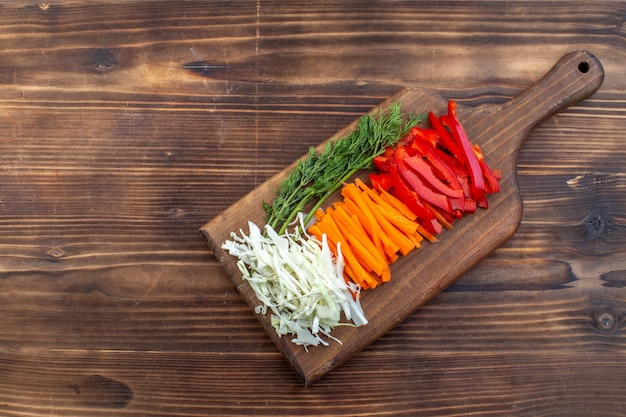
[125,126]
[417,278]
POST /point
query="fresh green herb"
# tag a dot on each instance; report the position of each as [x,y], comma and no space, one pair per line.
[317,176]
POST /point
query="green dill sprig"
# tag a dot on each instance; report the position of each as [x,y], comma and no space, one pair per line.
[317,176]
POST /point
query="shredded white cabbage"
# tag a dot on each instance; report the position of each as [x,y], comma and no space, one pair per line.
[299,280]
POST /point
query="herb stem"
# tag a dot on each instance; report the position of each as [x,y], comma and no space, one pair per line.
[325,197]
[317,176]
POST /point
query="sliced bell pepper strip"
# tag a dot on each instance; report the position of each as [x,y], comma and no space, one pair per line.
[459,170]
[468,155]
[409,197]
[444,218]
[427,135]
[423,191]
[422,168]
[443,171]
[445,138]
[408,138]
[492,183]
[381,181]
[381,162]
[469,206]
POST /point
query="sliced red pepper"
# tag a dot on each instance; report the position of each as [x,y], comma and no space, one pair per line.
[468,155]
[445,139]
[469,206]
[443,171]
[381,181]
[409,197]
[461,206]
[443,217]
[458,207]
[437,172]
[492,184]
[459,170]
[408,138]
[429,135]
[424,170]
[381,163]
[411,151]
[432,226]
[465,183]
[423,191]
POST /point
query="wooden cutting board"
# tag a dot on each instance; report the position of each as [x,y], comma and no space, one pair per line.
[424,273]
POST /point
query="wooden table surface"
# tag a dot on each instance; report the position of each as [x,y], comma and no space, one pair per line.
[125,126]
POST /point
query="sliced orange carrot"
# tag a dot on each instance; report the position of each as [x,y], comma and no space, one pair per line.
[445,223]
[393,203]
[416,238]
[405,225]
[350,223]
[348,243]
[319,214]
[391,259]
[398,204]
[386,276]
[395,216]
[353,209]
[316,231]
[351,196]
[348,274]
[358,240]
[372,227]
[406,245]
[429,236]
[388,201]
[417,234]
[354,196]
[357,272]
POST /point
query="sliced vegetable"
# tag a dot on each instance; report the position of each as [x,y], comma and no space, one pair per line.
[414,181]
[317,176]
[401,237]
[442,170]
[467,154]
[445,140]
[299,280]
[492,182]
[354,268]
[359,205]
[427,178]
[375,232]
[409,197]
[424,183]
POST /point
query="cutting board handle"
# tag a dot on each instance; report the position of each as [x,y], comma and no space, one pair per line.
[573,78]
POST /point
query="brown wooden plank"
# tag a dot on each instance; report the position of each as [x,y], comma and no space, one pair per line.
[479,372]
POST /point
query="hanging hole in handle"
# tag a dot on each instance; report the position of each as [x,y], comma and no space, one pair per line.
[584,67]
